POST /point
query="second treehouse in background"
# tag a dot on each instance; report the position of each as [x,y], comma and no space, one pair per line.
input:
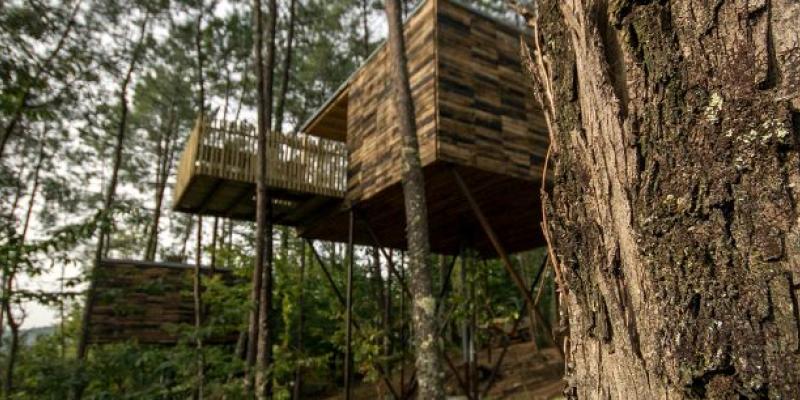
[482,143]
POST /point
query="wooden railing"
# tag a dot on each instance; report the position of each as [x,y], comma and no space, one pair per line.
[295,162]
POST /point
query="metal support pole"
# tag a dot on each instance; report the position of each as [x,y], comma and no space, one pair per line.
[343,303]
[390,263]
[487,228]
[506,341]
[402,281]
[348,351]
[473,319]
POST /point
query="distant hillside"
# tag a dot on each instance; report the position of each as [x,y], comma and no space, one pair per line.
[30,335]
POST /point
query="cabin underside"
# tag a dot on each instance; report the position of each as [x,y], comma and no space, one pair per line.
[215,196]
[510,205]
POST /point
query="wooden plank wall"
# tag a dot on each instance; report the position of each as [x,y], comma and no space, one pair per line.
[144,301]
[487,118]
[373,139]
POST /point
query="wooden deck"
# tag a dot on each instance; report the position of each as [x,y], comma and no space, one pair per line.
[218,169]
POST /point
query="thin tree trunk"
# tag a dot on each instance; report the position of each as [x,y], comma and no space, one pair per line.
[297,391]
[11,265]
[214,238]
[62,336]
[13,351]
[365,26]
[186,235]
[265,334]
[403,324]
[286,72]
[387,319]
[379,296]
[674,135]
[108,202]
[264,357]
[261,199]
[197,284]
[198,310]
[428,363]
[8,288]
[245,86]
[279,108]
[165,156]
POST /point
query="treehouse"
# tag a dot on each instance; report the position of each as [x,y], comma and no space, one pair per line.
[482,144]
[146,301]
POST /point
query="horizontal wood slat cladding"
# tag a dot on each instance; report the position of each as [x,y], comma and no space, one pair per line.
[145,302]
[373,138]
[486,113]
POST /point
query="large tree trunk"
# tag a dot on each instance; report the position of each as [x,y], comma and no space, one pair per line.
[674,211]
[429,366]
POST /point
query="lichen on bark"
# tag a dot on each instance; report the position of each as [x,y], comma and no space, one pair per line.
[674,212]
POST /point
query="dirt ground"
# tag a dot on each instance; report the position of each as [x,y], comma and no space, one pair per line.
[524,374]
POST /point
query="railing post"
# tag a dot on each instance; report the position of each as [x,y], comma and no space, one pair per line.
[198,146]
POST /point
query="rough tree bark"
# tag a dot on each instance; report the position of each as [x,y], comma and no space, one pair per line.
[674,212]
[429,370]
[264,206]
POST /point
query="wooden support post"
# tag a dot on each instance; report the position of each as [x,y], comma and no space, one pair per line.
[348,355]
[487,228]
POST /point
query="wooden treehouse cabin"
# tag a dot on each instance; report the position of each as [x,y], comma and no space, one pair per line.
[482,143]
[147,302]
